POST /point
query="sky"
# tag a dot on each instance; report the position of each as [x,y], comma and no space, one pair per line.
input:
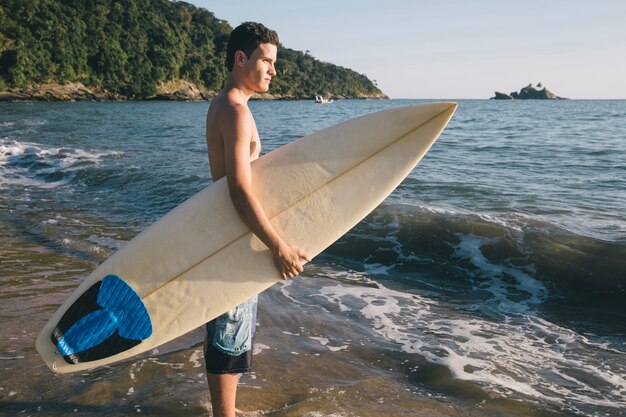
[451,49]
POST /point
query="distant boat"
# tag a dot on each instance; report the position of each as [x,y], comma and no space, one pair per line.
[322,100]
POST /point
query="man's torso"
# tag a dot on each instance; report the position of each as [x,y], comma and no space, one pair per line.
[215,136]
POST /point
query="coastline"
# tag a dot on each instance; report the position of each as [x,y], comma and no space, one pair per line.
[175,90]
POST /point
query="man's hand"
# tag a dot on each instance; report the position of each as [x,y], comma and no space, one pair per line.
[290,260]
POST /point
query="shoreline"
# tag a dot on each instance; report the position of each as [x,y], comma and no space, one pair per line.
[40,96]
[177,90]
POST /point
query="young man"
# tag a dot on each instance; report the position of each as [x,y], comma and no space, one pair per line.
[233,143]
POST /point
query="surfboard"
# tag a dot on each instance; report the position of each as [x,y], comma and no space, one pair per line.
[200,260]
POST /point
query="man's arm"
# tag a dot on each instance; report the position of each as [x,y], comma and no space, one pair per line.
[238,131]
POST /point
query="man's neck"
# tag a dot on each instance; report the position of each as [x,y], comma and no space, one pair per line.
[236,90]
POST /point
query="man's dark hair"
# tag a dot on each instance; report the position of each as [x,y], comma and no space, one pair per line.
[247,37]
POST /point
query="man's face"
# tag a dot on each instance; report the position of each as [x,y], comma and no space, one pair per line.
[259,68]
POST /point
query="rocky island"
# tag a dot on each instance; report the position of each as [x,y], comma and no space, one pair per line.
[529,92]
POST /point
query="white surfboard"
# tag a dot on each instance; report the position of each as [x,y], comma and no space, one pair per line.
[200,260]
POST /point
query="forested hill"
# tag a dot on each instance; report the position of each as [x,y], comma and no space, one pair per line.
[141,49]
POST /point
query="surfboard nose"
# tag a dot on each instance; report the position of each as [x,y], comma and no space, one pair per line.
[445,109]
[412,118]
[420,118]
[451,107]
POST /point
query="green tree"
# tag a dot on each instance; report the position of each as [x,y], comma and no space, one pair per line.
[128,47]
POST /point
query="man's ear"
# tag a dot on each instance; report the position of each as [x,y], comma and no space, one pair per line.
[240,58]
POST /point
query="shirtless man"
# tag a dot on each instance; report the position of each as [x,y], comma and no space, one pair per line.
[233,143]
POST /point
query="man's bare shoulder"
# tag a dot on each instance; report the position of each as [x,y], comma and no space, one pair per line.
[227,110]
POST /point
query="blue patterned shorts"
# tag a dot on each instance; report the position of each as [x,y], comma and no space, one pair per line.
[228,344]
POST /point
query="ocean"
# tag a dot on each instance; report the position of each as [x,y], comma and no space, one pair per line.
[492,282]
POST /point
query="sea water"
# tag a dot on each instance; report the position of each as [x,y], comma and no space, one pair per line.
[491,282]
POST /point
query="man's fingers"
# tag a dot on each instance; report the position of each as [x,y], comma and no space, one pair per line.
[303,255]
[291,264]
[285,273]
[289,274]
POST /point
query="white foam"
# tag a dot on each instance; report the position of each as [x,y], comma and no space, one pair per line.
[10,148]
[513,222]
[491,277]
[107,241]
[520,354]
[34,122]
[284,288]
[66,160]
[195,358]
[377,269]
[324,342]
[259,347]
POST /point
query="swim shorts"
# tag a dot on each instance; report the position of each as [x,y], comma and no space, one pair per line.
[228,342]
